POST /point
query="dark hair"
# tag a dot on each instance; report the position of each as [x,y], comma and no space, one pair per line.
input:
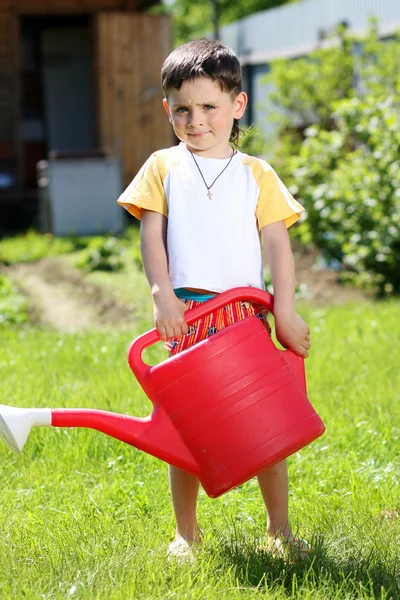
[204,58]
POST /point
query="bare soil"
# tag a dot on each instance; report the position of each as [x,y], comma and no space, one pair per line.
[322,285]
[61,297]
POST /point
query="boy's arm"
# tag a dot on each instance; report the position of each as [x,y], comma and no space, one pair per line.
[291,331]
[168,309]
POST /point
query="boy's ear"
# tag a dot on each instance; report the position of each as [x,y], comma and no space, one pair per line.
[240,105]
[165,105]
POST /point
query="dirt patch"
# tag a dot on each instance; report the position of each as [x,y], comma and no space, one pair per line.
[60,297]
[321,286]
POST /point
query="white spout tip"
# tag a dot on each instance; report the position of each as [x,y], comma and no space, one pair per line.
[7,437]
[16,423]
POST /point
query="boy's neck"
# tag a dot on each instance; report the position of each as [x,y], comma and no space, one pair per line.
[212,152]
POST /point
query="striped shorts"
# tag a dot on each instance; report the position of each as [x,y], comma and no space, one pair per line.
[215,321]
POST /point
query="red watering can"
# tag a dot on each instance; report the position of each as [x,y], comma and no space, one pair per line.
[224,410]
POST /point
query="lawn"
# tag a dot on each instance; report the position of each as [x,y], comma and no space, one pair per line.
[85,516]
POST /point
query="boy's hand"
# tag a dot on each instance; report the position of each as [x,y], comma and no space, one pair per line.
[169,316]
[293,333]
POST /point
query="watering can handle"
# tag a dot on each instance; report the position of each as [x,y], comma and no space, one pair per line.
[251,294]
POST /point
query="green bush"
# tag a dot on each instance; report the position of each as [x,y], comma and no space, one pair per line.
[32,246]
[253,141]
[102,254]
[13,306]
[338,132]
[306,90]
[349,182]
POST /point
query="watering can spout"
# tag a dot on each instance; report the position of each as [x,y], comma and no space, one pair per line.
[155,434]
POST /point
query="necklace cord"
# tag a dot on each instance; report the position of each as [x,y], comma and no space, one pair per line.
[224,169]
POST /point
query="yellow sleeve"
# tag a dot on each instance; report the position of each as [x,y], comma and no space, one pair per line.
[146,191]
[275,202]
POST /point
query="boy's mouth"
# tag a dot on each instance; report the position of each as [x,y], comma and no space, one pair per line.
[198,134]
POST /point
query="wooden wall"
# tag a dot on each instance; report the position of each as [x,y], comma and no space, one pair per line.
[129,50]
[132,122]
[8,83]
[41,7]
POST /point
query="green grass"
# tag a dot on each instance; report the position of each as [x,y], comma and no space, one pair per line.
[85,516]
[89,252]
[13,306]
[32,246]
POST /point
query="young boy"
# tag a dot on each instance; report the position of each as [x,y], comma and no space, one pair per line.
[203,207]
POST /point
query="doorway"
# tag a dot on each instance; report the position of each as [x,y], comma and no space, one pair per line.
[56,82]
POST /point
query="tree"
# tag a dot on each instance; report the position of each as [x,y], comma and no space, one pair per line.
[305,92]
[195,18]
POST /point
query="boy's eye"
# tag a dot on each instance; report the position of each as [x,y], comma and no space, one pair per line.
[181,109]
[208,106]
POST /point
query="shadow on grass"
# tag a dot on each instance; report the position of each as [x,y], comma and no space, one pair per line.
[341,576]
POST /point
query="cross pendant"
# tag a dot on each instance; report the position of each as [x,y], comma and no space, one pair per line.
[209,194]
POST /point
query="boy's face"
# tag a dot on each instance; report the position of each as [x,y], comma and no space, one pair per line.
[202,116]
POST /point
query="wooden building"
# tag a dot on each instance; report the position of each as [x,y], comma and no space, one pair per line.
[75,76]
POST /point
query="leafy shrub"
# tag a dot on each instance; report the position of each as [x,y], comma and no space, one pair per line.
[13,306]
[32,246]
[253,141]
[349,182]
[306,90]
[338,130]
[102,254]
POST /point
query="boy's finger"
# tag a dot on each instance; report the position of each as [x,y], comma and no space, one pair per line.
[178,331]
[301,351]
[306,347]
[169,332]
[180,327]
[162,333]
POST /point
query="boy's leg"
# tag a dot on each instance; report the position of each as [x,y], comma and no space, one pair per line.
[184,491]
[275,492]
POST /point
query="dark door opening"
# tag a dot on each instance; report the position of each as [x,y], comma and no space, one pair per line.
[57,97]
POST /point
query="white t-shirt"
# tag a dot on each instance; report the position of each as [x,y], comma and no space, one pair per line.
[212,244]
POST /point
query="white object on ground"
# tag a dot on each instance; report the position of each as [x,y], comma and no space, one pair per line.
[16,423]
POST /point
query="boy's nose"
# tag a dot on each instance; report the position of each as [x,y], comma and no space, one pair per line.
[195,120]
